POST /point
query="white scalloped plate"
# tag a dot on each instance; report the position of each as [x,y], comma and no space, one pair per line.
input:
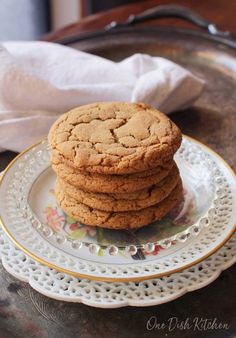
[22,207]
[60,286]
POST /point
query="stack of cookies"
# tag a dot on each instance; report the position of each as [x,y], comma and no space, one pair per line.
[114,164]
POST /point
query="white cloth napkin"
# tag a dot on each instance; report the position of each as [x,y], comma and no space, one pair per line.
[40,80]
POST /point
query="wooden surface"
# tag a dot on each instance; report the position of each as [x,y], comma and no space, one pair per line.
[26,313]
[220,12]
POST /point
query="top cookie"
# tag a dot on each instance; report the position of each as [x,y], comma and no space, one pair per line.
[114,138]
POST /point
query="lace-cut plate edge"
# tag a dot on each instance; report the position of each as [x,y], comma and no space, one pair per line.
[59,286]
[144,271]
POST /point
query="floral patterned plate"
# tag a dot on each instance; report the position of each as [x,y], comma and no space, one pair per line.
[35,223]
[177,226]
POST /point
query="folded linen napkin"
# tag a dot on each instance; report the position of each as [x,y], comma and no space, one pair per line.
[41,80]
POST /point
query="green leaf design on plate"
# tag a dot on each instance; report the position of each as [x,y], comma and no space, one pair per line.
[69,219]
[101,252]
[78,234]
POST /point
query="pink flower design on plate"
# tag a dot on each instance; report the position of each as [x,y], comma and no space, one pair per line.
[53,218]
[157,249]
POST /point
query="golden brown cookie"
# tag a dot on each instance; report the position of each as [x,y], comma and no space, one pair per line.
[100,183]
[114,138]
[124,201]
[117,220]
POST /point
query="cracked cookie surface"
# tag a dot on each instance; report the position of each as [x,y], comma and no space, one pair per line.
[100,183]
[118,220]
[114,138]
[124,201]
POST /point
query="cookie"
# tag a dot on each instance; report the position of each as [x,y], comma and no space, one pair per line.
[118,220]
[100,183]
[124,201]
[114,138]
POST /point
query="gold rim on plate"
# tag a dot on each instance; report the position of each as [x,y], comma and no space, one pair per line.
[110,279]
